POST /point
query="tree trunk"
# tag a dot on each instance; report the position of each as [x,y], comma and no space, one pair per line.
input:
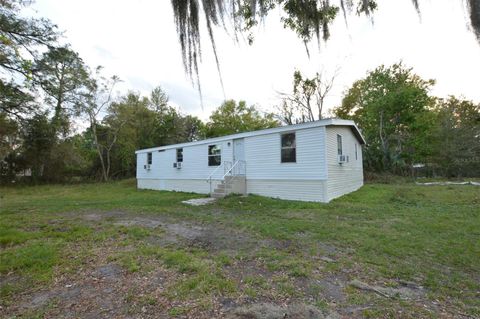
[98,148]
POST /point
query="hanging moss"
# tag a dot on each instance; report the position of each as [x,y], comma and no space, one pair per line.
[308,18]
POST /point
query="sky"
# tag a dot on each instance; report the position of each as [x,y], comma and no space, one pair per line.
[137,41]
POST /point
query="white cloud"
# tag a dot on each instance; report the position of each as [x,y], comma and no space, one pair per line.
[137,41]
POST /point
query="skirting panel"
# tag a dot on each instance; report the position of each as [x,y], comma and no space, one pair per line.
[179,185]
[304,190]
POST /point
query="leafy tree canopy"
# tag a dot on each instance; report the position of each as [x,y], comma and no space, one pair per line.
[20,39]
[62,75]
[456,142]
[232,117]
[390,106]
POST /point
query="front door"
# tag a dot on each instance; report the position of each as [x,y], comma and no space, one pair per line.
[239,155]
[238,150]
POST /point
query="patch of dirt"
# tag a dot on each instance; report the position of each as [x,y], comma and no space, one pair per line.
[98,216]
[99,290]
[185,231]
[208,237]
[220,239]
[108,272]
[273,311]
[331,289]
[139,221]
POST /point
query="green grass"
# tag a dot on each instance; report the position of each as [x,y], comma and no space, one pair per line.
[382,233]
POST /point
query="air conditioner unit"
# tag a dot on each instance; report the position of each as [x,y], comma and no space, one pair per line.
[177,165]
[146,166]
[342,159]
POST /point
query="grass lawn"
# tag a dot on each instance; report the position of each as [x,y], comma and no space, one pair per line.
[110,250]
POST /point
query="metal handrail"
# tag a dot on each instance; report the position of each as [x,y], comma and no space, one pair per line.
[214,171]
[233,175]
[209,179]
[231,168]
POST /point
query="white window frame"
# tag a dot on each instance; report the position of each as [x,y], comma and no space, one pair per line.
[214,155]
[294,147]
[177,151]
[339,144]
[149,158]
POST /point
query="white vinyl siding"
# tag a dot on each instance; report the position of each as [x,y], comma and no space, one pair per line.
[347,177]
[194,165]
[263,156]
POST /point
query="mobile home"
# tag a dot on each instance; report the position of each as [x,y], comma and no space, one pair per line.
[315,161]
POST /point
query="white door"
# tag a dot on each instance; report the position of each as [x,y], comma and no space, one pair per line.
[239,155]
[238,150]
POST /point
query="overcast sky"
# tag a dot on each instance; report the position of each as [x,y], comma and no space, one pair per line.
[137,41]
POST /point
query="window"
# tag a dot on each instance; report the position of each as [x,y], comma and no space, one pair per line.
[289,148]
[339,145]
[214,155]
[356,155]
[179,154]
[149,158]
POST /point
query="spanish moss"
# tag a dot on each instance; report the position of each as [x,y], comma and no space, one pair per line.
[309,19]
[474,7]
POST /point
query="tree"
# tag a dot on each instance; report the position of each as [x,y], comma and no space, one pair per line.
[14,100]
[307,101]
[307,18]
[20,39]
[62,75]
[159,100]
[192,128]
[456,131]
[38,141]
[9,143]
[8,133]
[95,100]
[144,123]
[390,106]
[138,123]
[232,117]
